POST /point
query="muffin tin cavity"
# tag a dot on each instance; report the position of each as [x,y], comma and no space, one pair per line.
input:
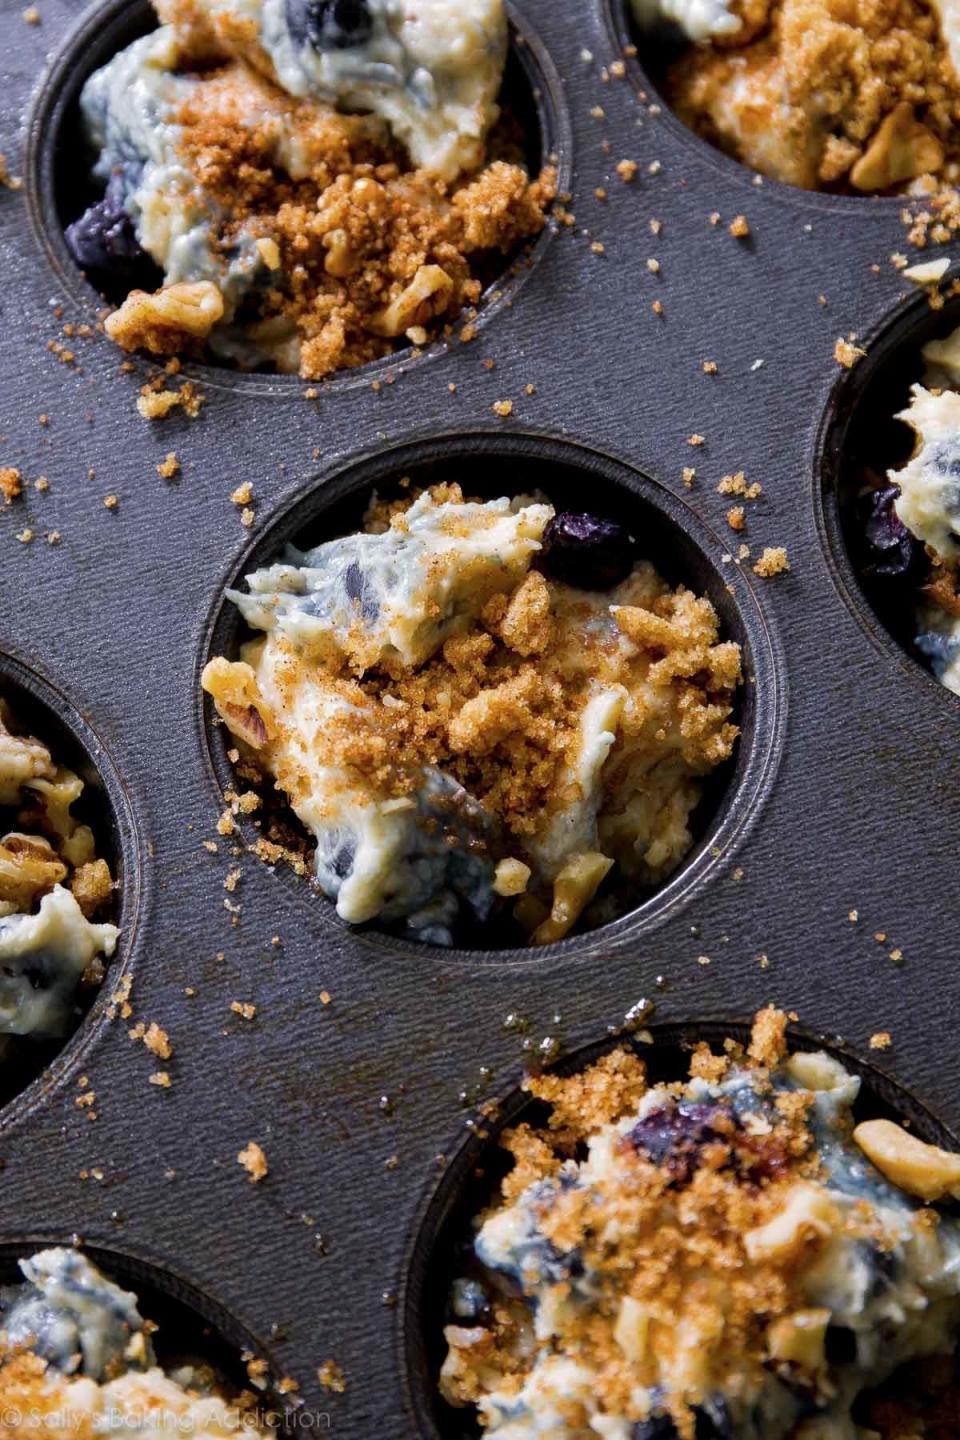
[60,186]
[473,1175]
[191,1325]
[651,53]
[43,713]
[862,438]
[572,478]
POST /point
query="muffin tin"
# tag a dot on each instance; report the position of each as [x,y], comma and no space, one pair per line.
[362,1069]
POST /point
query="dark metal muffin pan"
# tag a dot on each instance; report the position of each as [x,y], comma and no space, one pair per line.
[842,798]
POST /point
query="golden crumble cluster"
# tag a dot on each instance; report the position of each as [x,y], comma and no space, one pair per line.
[860,95]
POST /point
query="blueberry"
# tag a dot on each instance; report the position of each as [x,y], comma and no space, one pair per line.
[330,24]
[587,552]
[470,1303]
[658,1427]
[947,461]
[673,1137]
[892,552]
[103,241]
[840,1345]
[355,585]
[711,1421]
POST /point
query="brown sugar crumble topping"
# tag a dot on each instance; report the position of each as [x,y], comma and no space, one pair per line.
[53,886]
[849,95]
[677,1257]
[570,722]
[355,249]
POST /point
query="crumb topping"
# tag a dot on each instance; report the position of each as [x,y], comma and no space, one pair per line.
[828,94]
[674,1242]
[360,251]
[500,708]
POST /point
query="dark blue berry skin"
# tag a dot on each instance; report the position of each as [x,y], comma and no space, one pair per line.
[673,1137]
[840,1345]
[329,24]
[587,552]
[103,241]
[470,1304]
[712,1422]
[658,1427]
[892,552]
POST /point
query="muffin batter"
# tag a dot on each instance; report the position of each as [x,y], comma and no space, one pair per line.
[313,181]
[51,886]
[77,1360]
[726,1258]
[471,705]
[825,94]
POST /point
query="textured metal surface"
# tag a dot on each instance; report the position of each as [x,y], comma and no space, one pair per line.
[847,799]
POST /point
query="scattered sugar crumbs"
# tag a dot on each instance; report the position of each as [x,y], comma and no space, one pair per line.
[243,1008]
[120,999]
[86,1098]
[332,1377]
[773,561]
[846,353]
[738,485]
[11,483]
[169,466]
[8,181]
[154,1037]
[881,1040]
[156,401]
[254,1161]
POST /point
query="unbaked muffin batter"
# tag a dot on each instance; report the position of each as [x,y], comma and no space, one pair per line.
[726,1258]
[474,706]
[911,516]
[77,1360]
[51,886]
[826,94]
[314,181]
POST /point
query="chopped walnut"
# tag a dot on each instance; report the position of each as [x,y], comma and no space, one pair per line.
[168,320]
